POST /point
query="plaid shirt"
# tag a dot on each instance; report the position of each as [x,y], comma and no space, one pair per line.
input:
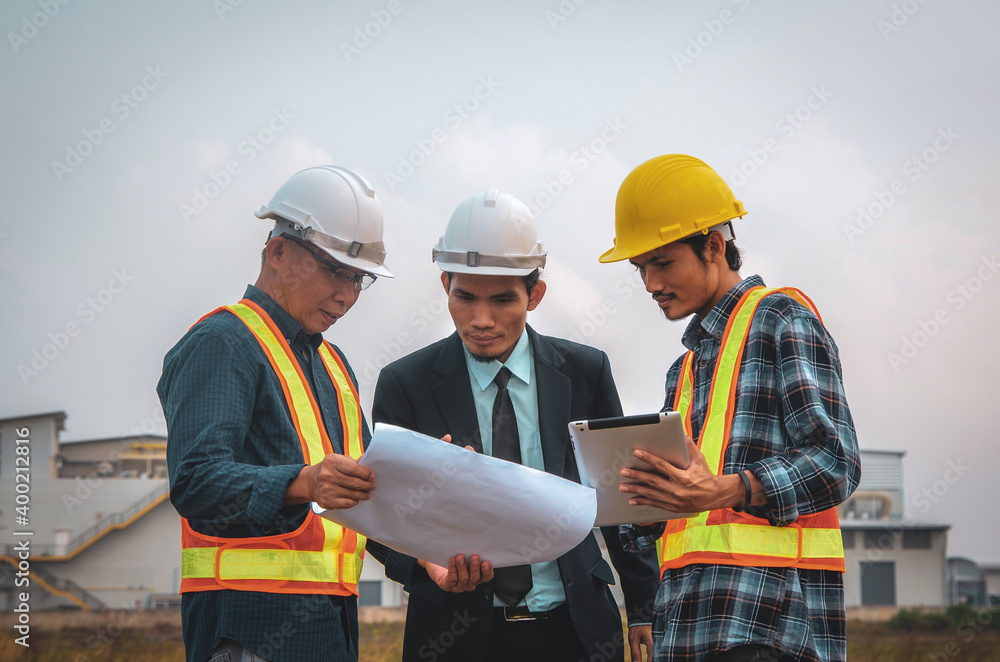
[232,451]
[793,430]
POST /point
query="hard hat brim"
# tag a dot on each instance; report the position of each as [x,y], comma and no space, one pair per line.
[613,254]
[484,271]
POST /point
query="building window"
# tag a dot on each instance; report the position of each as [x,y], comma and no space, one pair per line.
[916,539]
[369,593]
[848,539]
[879,540]
[878,583]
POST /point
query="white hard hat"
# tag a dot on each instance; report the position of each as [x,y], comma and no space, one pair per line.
[335,209]
[492,234]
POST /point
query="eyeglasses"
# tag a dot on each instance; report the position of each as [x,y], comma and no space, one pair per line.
[338,274]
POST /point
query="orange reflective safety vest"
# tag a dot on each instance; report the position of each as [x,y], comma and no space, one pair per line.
[318,557]
[725,536]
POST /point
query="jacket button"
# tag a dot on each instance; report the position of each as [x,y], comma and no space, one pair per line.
[488,595]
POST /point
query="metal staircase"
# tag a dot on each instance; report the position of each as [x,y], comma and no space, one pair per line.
[46,553]
[102,527]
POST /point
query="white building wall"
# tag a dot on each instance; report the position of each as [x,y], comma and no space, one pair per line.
[392,594]
[128,565]
[43,435]
[992,581]
[921,574]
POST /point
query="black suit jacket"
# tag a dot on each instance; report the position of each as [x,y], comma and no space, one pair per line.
[429,391]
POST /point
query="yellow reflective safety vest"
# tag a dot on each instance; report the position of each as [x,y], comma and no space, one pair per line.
[318,557]
[725,536]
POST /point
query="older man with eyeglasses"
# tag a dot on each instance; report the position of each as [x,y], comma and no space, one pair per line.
[263,418]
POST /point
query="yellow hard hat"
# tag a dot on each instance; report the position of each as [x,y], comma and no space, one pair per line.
[668,198]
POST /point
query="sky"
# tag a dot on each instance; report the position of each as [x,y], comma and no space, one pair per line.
[139,138]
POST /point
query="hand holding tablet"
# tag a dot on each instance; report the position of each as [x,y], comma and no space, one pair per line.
[605,446]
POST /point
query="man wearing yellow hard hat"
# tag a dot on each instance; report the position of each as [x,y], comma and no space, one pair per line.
[757,572]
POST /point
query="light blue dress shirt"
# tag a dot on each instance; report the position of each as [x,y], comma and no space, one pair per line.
[547,589]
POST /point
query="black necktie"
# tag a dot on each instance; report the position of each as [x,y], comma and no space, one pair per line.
[510,584]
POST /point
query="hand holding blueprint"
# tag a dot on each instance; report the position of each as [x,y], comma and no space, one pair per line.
[435,500]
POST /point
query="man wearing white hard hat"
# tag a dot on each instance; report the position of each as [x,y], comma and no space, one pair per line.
[500,387]
[263,418]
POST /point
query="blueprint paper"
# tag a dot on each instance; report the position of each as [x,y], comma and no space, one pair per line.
[435,500]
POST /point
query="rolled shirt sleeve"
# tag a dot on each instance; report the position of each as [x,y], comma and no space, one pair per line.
[819,468]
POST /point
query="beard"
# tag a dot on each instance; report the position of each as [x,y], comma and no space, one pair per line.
[485,358]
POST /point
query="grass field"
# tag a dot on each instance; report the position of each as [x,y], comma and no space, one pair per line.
[874,642]
[381,642]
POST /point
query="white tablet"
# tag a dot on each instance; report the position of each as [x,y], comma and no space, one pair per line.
[604,446]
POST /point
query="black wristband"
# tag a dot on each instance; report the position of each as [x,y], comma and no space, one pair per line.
[747,495]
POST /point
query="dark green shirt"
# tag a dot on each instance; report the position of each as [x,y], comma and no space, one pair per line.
[232,451]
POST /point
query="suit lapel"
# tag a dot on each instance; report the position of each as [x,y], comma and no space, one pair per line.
[554,402]
[453,395]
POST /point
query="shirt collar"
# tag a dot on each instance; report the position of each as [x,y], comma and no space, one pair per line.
[292,330]
[714,324]
[519,364]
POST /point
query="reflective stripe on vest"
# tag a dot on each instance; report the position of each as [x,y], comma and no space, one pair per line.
[725,536]
[318,557]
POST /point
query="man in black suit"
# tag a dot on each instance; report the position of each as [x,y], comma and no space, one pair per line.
[499,387]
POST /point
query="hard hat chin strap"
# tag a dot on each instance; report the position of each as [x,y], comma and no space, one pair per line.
[373,251]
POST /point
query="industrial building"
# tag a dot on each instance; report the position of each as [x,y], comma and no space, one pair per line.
[892,559]
[100,527]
